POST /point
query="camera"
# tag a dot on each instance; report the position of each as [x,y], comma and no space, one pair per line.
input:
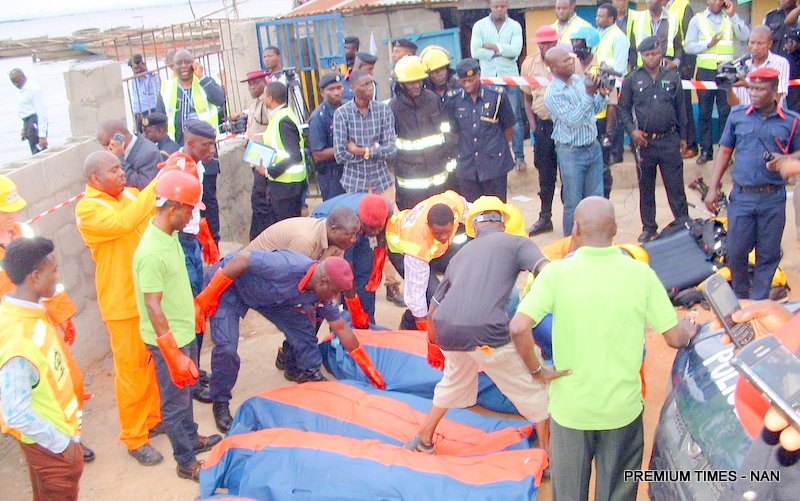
[607,74]
[729,73]
[290,73]
[235,126]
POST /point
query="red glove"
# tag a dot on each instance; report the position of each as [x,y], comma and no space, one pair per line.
[207,301]
[207,243]
[422,324]
[69,331]
[357,314]
[378,260]
[362,359]
[181,368]
[435,356]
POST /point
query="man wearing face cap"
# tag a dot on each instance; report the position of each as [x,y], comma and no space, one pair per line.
[154,128]
[320,135]
[290,290]
[364,62]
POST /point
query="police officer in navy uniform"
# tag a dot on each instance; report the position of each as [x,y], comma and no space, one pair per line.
[320,136]
[154,128]
[482,118]
[757,208]
[653,93]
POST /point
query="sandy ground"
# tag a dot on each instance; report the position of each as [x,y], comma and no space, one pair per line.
[115,475]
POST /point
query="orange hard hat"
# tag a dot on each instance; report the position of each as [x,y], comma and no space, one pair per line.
[184,162]
[182,187]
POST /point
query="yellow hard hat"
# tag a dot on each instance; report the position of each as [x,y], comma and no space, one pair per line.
[636,252]
[10,201]
[515,224]
[486,204]
[410,69]
[435,57]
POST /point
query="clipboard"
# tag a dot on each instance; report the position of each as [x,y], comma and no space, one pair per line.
[257,153]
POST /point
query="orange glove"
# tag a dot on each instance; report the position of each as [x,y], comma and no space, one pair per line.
[435,356]
[362,359]
[358,316]
[422,324]
[68,328]
[378,260]
[182,369]
[207,301]
[207,243]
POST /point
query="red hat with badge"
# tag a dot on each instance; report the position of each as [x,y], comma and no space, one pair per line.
[763,75]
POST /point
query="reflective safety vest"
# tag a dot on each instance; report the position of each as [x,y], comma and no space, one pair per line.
[572,25]
[642,28]
[407,232]
[58,396]
[711,58]
[206,111]
[605,49]
[422,144]
[295,173]
[678,9]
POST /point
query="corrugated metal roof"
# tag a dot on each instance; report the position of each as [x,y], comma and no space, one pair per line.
[315,7]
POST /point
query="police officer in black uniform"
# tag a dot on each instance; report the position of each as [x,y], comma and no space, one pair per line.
[652,110]
[482,118]
[154,128]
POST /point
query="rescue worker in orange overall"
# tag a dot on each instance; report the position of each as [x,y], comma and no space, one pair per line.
[111,219]
[60,308]
[416,237]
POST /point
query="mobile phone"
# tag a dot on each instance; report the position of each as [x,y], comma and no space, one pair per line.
[724,302]
[775,373]
[118,137]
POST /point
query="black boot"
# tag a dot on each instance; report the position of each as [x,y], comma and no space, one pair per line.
[543,225]
[222,416]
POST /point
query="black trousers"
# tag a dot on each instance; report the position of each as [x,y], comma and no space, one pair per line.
[258,201]
[472,190]
[665,155]
[31,126]
[706,99]
[691,129]
[614,451]
[212,206]
[545,161]
[608,180]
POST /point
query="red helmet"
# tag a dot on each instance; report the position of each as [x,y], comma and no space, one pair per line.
[183,161]
[182,187]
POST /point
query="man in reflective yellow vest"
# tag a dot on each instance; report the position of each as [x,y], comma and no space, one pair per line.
[659,22]
[682,10]
[567,21]
[712,35]
[286,175]
[625,17]
[41,387]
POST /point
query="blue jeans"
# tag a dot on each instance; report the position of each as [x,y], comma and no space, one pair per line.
[581,170]
[194,260]
[518,132]
[177,414]
[360,258]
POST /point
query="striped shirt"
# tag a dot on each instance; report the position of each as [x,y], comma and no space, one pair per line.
[416,274]
[373,129]
[573,111]
[773,61]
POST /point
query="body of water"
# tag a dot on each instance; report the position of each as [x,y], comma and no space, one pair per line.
[50,74]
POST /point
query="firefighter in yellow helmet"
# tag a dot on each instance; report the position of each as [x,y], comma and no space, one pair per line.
[424,142]
[441,77]
[512,217]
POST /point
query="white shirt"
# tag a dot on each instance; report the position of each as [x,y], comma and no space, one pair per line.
[193,226]
[773,61]
[130,146]
[30,100]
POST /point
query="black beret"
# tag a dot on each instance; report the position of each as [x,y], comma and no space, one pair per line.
[649,43]
[366,57]
[468,67]
[328,79]
[405,43]
[154,118]
[200,128]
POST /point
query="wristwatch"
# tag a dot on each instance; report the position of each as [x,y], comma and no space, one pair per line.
[367,154]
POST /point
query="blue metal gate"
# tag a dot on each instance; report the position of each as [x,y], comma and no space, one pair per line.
[312,45]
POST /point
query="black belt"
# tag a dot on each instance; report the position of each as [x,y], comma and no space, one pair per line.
[659,135]
[762,188]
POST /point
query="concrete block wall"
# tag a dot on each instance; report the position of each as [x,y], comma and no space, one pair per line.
[385,25]
[234,185]
[94,91]
[244,42]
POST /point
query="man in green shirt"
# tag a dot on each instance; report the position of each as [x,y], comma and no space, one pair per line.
[166,309]
[601,300]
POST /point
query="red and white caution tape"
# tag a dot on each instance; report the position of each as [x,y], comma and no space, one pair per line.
[55,208]
[544,82]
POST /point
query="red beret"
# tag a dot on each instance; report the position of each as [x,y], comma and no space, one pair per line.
[373,210]
[339,271]
[763,74]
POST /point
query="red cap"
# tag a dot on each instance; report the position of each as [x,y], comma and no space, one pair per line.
[254,75]
[763,75]
[373,210]
[546,33]
[339,271]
